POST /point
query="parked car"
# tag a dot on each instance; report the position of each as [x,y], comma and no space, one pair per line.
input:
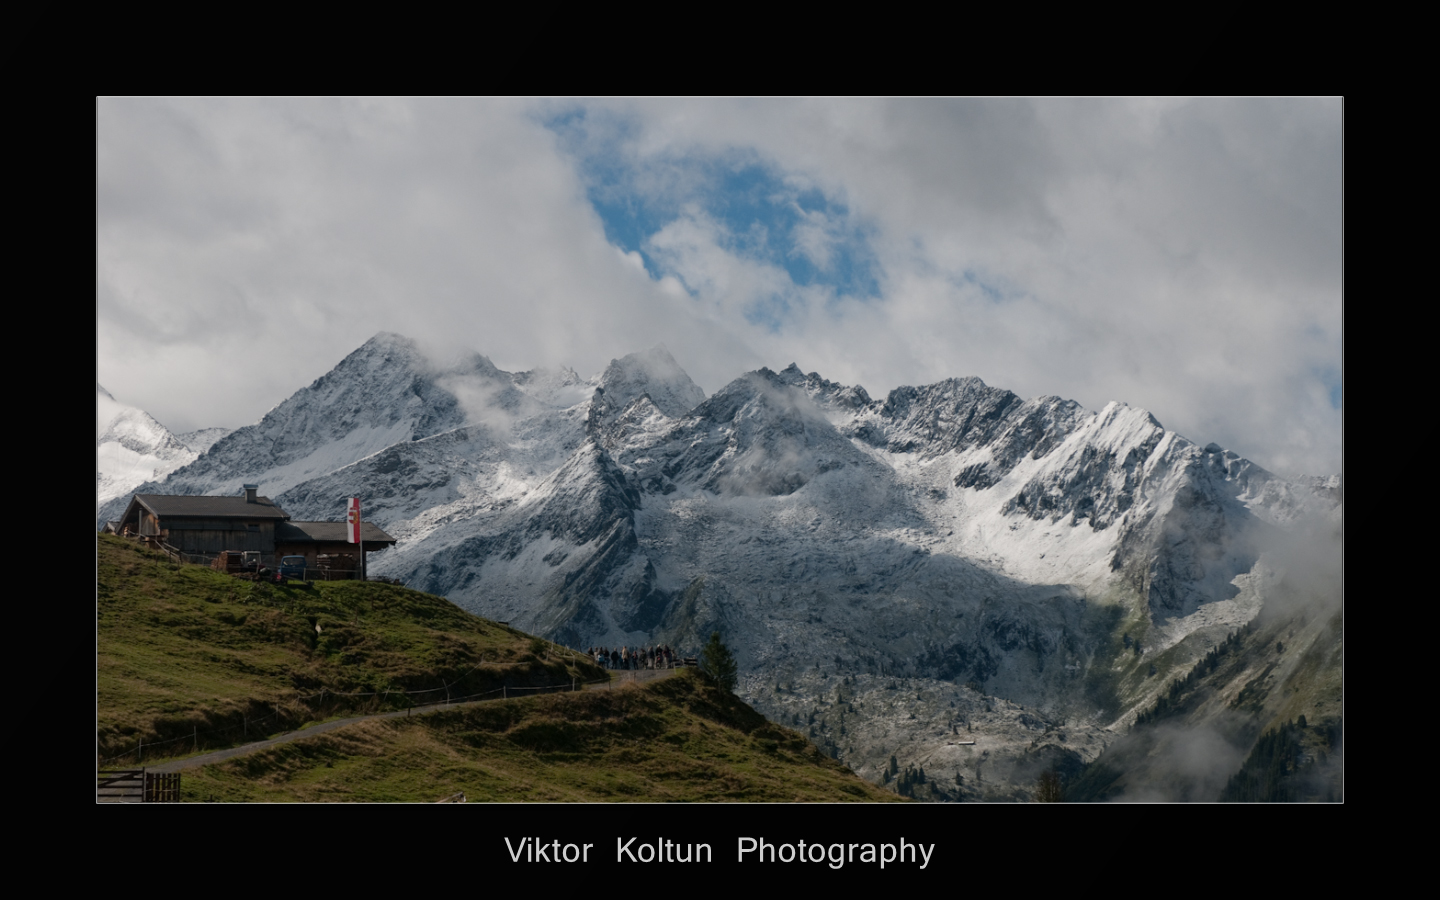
[292,567]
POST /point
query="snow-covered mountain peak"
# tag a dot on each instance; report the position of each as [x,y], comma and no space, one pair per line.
[1127,418]
[131,448]
[386,350]
[107,410]
[388,342]
[558,388]
[757,436]
[760,396]
[828,394]
[385,392]
[654,372]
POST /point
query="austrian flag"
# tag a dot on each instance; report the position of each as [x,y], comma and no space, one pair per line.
[352,521]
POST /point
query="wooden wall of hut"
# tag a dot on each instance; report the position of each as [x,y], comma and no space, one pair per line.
[213,536]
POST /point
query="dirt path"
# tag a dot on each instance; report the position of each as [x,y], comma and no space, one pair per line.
[617,679]
[638,676]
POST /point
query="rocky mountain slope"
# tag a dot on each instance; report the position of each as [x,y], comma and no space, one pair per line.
[951,541]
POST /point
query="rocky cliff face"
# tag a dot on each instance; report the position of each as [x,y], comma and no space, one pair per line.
[951,541]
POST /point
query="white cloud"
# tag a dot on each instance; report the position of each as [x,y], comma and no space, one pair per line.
[1179,255]
[1182,255]
[815,238]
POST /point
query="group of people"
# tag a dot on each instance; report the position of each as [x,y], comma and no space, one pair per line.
[652,657]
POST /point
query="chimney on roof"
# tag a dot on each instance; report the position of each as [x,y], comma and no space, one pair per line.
[250,490]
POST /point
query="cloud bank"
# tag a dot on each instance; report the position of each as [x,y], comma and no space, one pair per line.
[1183,256]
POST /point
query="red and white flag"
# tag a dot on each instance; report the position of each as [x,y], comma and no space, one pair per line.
[352,521]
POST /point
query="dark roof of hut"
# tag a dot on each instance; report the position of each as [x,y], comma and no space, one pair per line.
[171,506]
[328,532]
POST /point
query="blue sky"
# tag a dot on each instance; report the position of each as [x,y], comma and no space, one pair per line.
[758,211]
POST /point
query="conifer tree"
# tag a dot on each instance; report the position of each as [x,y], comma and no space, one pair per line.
[1050,789]
[718,663]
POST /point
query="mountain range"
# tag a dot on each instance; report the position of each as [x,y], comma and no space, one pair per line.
[892,573]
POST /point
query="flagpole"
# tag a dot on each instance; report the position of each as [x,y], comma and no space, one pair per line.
[354,524]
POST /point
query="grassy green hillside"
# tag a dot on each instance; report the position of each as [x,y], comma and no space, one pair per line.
[202,660]
[181,649]
[679,739]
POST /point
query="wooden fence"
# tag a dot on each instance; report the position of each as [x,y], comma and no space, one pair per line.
[162,787]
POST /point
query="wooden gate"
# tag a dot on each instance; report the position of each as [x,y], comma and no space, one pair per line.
[136,786]
[162,787]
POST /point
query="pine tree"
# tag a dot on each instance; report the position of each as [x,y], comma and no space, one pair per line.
[718,663]
[1050,789]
